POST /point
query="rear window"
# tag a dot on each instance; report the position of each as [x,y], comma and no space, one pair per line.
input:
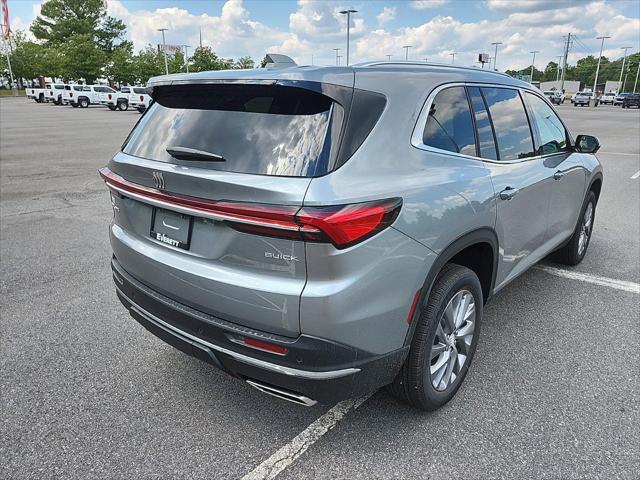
[257,129]
[125,90]
[140,90]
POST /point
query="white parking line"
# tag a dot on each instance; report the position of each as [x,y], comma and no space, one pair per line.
[635,175]
[288,454]
[596,280]
[621,153]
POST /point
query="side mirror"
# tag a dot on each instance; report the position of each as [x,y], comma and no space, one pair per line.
[587,144]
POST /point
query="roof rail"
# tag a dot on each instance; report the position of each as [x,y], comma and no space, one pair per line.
[424,64]
[277,60]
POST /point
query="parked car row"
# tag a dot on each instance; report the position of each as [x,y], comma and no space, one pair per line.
[84,95]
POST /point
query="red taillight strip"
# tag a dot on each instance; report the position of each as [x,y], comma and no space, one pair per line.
[222,211]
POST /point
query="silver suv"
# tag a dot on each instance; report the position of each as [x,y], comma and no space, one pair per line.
[323,232]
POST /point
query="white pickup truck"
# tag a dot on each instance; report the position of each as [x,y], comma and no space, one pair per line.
[37,93]
[71,93]
[139,99]
[90,95]
[53,93]
[116,100]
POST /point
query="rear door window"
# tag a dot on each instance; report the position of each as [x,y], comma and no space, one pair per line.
[449,125]
[510,123]
[257,129]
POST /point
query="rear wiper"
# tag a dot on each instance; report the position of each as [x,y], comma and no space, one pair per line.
[184,153]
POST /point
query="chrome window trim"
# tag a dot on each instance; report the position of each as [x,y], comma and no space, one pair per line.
[292,372]
[418,129]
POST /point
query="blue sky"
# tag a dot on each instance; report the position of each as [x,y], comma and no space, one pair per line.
[435,28]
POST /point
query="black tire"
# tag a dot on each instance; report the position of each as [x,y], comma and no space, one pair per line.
[123,106]
[41,98]
[111,107]
[74,105]
[414,382]
[141,110]
[83,102]
[573,253]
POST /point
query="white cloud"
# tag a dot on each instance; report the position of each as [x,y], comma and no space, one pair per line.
[386,15]
[510,6]
[423,4]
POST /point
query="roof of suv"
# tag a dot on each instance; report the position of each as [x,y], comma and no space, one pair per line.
[342,75]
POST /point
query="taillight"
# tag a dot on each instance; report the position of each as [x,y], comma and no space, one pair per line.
[141,98]
[341,225]
[109,95]
[71,94]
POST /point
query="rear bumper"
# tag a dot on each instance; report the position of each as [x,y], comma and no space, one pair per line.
[313,368]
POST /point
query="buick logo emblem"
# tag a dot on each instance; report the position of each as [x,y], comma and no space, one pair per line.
[158,180]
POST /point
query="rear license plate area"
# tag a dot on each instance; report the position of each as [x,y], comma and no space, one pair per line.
[171,228]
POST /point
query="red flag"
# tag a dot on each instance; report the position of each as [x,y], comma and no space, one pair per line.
[5,18]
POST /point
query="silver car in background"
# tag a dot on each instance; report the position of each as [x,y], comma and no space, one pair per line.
[320,232]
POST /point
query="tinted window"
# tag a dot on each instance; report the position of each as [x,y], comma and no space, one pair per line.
[551,132]
[483,125]
[77,88]
[125,90]
[86,89]
[510,123]
[259,129]
[449,126]
[140,90]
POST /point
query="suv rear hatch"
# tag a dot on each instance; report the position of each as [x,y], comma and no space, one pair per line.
[206,190]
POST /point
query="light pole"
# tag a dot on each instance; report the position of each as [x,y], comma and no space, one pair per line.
[186,56]
[533,63]
[164,49]
[495,55]
[406,52]
[388,57]
[426,59]
[595,82]
[635,84]
[622,69]
[453,57]
[337,50]
[348,14]
[558,68]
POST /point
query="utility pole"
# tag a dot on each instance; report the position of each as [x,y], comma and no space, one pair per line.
[622,69]
[186,56]
[533,62]
[200,37]
[337,50]
[406,52]
[453,57]
[495,55]
[164,49]
[348,14]
[558,67]
[595,82]
[564,62]
[635,84]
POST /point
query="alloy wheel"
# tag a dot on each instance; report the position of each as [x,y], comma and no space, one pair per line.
[453,339]
[585,229]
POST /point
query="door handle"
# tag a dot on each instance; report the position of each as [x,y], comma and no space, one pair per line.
[508,193]
[558,175]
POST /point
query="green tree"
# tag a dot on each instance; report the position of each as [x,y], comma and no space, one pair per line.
[148,63]
[244,62]
[176,63]
[60,20]
[204,58]
[83,59]
[121,66]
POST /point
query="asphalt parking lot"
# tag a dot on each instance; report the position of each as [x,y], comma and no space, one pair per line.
[86,392]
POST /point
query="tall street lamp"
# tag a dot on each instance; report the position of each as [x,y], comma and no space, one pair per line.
[186,56]
[406,51]
[495,55]
[164,49]
[560,57]
[533,62]
[337,50]
[622,69]
[595,82]
[348,14]
[453,57]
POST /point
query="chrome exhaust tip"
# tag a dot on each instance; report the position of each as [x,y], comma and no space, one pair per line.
[287,395]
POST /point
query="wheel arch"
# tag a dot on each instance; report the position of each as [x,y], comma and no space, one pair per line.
[469,250]
[595,185]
